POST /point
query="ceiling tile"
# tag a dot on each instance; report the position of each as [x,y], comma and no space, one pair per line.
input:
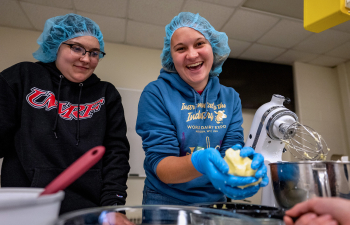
[237,47]
[323,42]
[113,29]
[291,56]
[114,8]
[159,12]
[229,3]
[327,61]
[67,4]
[290,8]
[248,26]
[209,12]
[261,53]
[145,35]
[342,51]
[142,22]
[11,15]
[38,14]
[285,34]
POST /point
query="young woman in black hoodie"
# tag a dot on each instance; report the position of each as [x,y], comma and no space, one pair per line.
[55,110]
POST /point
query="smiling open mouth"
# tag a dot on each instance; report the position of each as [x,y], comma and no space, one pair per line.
[195,66]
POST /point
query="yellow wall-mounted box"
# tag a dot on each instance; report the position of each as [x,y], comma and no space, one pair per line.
[319,15]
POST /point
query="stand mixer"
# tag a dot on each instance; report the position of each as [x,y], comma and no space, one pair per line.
[275,129]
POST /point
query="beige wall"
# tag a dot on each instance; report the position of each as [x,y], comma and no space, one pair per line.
[344,84]
[16,45]
[133,67]
[319,104]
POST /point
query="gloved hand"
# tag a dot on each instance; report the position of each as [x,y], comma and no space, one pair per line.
[210,163]
[257,163]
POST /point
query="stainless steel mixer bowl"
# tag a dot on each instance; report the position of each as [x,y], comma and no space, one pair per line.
[155,214]
[295,182]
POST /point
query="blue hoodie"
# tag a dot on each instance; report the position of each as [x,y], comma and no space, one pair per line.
[175,120]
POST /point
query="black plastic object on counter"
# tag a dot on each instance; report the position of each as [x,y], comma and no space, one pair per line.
[256,211]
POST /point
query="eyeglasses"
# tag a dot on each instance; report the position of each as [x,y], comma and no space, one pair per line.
[81,51]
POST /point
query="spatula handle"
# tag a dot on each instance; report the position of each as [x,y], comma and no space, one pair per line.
[74,171]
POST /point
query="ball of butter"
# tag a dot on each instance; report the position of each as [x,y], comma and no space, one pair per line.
[239,166]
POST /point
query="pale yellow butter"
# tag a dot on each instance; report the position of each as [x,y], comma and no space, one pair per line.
[239,166]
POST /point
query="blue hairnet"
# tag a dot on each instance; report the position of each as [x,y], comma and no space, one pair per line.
[62,28]
[218,40]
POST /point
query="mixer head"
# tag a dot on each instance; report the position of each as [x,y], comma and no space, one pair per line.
[304,143]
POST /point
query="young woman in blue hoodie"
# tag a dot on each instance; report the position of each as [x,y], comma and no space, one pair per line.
[187,120]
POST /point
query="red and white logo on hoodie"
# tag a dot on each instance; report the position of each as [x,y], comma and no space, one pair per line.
[46,99]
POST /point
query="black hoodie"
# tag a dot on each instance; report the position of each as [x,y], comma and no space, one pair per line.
[38,140]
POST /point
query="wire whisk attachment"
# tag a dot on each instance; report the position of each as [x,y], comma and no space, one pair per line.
[305,143]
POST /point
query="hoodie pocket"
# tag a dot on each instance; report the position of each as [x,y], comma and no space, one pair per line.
[88,186]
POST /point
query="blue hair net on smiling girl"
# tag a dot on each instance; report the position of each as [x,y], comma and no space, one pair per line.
[62,28]
[218,40]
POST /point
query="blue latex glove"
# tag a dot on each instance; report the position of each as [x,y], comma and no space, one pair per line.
[257,163]
[210,163]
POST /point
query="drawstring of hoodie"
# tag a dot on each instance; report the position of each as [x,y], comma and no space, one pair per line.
[207,100]
[195,100]
[78,126]
[54,129]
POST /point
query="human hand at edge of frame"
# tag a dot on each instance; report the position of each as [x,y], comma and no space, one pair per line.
[210,163]
[318,210]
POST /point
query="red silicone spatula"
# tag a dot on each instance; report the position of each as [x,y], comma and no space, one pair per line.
[74,171]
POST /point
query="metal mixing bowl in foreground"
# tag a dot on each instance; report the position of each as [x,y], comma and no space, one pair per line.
[154,214]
